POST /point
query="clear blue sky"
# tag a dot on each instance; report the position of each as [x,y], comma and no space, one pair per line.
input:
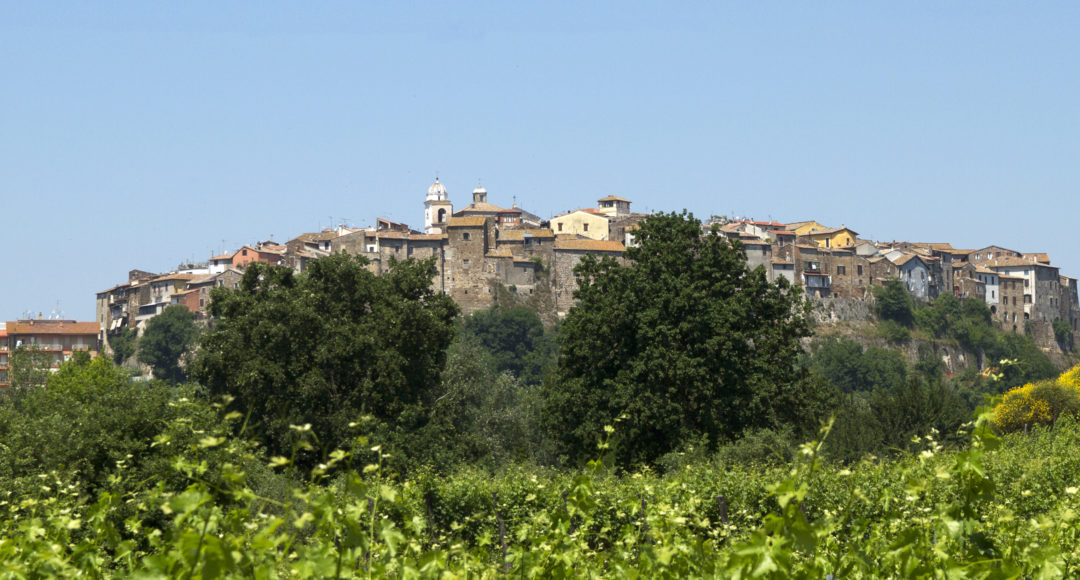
[140,135]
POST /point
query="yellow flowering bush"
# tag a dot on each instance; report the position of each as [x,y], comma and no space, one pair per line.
[1039,403]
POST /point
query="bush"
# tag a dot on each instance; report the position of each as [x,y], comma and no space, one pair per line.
[1038,403]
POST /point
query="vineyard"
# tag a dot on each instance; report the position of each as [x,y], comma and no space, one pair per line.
[1002,508]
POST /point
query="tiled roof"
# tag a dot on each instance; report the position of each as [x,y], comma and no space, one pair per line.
[167,277]
[465,222]
[223,257]
[614,198]
[539,233]
[1012,262]
[483,207]
[499,253]
[52,327]
[589,245]
[588,210]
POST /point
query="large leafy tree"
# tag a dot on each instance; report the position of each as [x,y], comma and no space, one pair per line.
[326,346]
[516,339]
[684,342]
[167,338]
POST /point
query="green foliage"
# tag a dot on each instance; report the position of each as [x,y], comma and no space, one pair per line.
[166,339]
[1000,508]
[480,417]
[123,345]
[28,367]
[682,342]
[1063,333]
[844,364]
[324,347]
[892,302]
[516,339]
[893,331]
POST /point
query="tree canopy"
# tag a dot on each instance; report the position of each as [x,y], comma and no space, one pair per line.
[326,346]
[684,342]
[167,337]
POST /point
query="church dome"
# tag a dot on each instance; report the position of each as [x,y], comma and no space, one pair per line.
[437,190]
[479,189]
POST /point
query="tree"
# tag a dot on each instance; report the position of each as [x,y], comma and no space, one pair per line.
[894,303]
[516,339]
[682,342]
[123,345]
[844,364]
[326,346]
[28,367]
[167,337]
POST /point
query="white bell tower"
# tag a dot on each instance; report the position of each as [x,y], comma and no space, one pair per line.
[437,209]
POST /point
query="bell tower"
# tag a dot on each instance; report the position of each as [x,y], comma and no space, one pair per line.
[437,209]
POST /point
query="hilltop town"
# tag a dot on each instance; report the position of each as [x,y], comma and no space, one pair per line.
[483,251]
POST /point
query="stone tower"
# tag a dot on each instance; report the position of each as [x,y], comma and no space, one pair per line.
[437,209]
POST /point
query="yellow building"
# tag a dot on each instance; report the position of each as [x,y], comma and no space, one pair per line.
[803,228]
[589,223]
[841,237]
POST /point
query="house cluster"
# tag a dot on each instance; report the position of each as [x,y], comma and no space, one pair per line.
[1019,288]
[476,249]
[482,247]
[54,338]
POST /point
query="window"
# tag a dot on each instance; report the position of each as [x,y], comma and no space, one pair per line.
[466,236]
[1027,283]
[560,226]
[465,262]
[858,269]
[992,294]
[841,270]
[1027,298]
[586,226]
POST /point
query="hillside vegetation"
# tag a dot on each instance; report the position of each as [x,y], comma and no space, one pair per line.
[342,424]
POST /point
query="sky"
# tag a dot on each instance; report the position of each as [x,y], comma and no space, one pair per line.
[147,134]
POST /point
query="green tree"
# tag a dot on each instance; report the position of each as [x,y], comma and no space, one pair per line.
[326,346]
[516,339]
[892,302]
[28,367]
[167,337]
[844,364]
[123,345]
[682,342]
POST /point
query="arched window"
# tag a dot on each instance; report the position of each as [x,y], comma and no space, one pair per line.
[442,216]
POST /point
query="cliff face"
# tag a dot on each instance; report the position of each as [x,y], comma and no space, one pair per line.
[853,318]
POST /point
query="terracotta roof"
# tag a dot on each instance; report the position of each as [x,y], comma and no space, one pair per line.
[117,287]
[588,210]
[223,257]
[499,253]
[480,207]
[905,258]
[202,279]
[52,327]
[392,235]
[427,236]
[510,210]
[465,222]
[1012,262]
[830,231]
[317,236]
[511,236]
[539,233]
[185,292]
[1038,257]
[167,277]
[590,245]
[613,198]
[783,233]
